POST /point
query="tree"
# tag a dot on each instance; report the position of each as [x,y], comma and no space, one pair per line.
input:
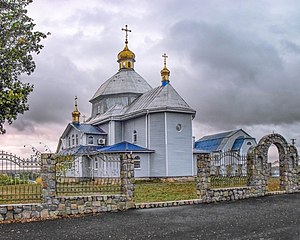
[18,41]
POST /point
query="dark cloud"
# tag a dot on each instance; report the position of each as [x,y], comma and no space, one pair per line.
[236,63]
[234,79]
[56,82]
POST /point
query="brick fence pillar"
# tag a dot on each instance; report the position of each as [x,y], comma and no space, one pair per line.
[203,176]
[127,178]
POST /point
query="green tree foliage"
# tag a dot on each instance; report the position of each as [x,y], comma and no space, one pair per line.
[18,41]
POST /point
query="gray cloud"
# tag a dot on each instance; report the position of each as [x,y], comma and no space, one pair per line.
[234,79]
[236,64]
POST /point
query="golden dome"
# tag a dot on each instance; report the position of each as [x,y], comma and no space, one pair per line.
[75,113]
[126,57]
[165,72]
[126,53]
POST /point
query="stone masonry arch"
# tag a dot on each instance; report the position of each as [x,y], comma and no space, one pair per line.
[257,163]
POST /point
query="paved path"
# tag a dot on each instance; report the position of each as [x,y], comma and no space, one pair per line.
[272,217]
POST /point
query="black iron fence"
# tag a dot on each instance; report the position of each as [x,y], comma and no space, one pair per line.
[228,169]
[19,179]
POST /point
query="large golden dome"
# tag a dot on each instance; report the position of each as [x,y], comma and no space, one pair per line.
[126,53]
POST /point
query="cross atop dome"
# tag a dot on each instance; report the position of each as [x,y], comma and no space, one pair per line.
[165,59]
[165,72]
[126,57]
[126,33]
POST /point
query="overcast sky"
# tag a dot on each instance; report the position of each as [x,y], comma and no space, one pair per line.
[237,63]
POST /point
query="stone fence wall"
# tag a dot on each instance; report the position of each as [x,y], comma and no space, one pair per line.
[53,206]
[255,188]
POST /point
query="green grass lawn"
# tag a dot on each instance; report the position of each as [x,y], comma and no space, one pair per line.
[145,191]
[161,192]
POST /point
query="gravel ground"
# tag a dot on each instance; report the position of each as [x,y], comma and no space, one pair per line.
[272,217]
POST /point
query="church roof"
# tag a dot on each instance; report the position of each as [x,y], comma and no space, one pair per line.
[80,150]
[114,111]
[238,144]
[124,147]
[124,81]
[216,142]
[88,128]
[160,98]
[115,148]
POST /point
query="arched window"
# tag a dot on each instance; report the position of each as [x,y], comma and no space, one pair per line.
[77,139]
[73,140]
[134,136]
[69,141]
[90,140]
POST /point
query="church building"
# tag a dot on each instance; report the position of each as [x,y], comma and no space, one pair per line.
[128,115]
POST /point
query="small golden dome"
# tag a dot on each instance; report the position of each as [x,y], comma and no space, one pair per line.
[126,53]
[165,72]
[75,113]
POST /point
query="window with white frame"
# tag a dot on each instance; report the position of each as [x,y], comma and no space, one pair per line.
[90,140]
[137,162]
[73,140]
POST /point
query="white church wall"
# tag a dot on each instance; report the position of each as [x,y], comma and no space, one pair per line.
[118,131]
[156,134]
[73,135]
[86,167]
[179,144]
[105,128]
[138,125]
[143,171]
[246,145]
[195,170]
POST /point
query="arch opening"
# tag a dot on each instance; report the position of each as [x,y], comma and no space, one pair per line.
[273,168]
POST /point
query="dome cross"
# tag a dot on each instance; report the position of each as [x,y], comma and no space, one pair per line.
[126,33]
[165,59]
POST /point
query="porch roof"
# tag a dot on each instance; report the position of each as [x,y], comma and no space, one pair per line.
[122,147]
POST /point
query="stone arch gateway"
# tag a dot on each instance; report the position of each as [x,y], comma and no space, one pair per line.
[288,163]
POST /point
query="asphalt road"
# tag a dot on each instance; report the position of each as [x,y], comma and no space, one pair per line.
[272,217]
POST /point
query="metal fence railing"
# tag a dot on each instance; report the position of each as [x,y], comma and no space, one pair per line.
[228,169]
[88,175]
[19,179]
[87,186]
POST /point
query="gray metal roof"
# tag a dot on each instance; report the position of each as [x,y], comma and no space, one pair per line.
[88,128]
[219,135]
[116,110]
[216,142]
[124,81]
[163,97]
